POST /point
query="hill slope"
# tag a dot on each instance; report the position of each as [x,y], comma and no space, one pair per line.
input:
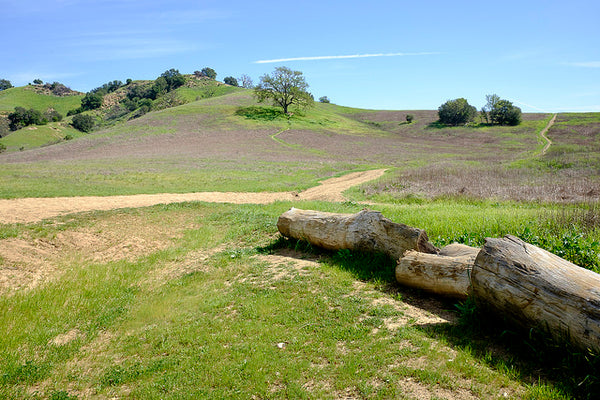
[231,143]
[35,97]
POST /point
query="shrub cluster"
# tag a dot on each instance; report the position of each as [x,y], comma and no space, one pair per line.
[58,89]
[497,112]
[22,117]
[5,84]
[83,122]
[230,80]
[456,112]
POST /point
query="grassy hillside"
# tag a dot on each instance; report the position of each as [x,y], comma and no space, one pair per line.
[38,136]
[28,97]
[181,149]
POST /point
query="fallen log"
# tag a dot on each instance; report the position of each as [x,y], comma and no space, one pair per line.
[364,231]
[447,274]
[535,288]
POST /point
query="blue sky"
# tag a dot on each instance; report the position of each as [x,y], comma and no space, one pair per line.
[542,55]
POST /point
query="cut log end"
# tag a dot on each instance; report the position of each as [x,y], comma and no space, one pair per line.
[442,275]
[535,288]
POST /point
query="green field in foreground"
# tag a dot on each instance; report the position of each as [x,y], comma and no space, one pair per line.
[196,304]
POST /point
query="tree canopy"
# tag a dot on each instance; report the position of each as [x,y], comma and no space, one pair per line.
[246,81]
[285,88]
[501,112]
[456,112]
[5,84]
[173,78]
[209,73]
[22,117]
[230,80]
[91,101]
[83,122]
[505,113]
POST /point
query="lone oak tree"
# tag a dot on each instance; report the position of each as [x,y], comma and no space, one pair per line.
[285,88]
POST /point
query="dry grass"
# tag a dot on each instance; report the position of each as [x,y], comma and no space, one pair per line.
[452,179]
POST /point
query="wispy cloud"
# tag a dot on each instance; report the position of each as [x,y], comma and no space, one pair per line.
[318,58]
[587,64]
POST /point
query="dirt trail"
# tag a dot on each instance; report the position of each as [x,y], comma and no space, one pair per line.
[543,135]
[36,209]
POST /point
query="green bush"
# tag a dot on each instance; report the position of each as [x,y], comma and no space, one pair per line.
[5,84]
[230,80]
[53,115]
[410,118]
[22,117]
[91,101]
[209,73]
[456,112]
[2,148]
[505,113]
[83,122]
[324,99]
[173,79]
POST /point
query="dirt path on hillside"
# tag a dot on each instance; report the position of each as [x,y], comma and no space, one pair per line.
[36,209]
[543,135]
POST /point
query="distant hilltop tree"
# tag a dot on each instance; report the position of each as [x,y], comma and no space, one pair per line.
[174,79]
[209,73]
[324,99]
[456,112]
[5,84]
[38,82]
[107,87]
[284,88]
[246,82]
[230,80]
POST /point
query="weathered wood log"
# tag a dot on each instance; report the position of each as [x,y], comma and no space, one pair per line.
[535,288]
[459,250]
[364,231]
[447,274]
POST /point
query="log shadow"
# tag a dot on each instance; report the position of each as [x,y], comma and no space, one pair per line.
[530,356]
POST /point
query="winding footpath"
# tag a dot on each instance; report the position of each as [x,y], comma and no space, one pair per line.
[28,210]
[544,137]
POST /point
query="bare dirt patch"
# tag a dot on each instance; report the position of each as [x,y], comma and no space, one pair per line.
[36,209]
[27,261]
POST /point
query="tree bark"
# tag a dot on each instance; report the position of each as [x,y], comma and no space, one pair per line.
[364,231]
[447,274]
[535,288]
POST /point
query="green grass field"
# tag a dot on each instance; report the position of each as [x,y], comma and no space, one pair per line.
[213,313]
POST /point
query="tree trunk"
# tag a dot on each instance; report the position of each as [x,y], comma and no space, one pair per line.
[535,288]
[447,274]
[363,231]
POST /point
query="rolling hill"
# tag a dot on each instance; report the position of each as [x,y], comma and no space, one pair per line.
[216,141]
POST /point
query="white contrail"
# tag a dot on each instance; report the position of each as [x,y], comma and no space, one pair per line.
[530,106]
[589,64]
[314,58]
